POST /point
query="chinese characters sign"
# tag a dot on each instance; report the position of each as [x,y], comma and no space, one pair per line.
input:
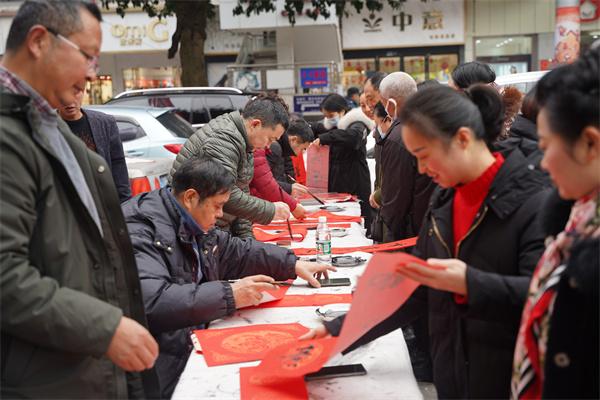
[313,77]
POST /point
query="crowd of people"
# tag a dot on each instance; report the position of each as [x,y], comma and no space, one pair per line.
[100,291]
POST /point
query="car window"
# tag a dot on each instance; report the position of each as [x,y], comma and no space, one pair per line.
[130,101]
[199,112]
[129,131]
[181,104]
[175,124]
[218,105]
[239,101]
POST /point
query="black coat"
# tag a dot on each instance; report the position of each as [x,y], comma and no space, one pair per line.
[472,345]
[404,192]
[571,369]
[522,127]
[348,169]
[281,163]
[108,145]
[176,303]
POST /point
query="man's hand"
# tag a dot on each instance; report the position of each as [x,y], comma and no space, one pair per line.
[449,274]
[299,212]
[298,190]
[372,201]
[132,347]
[282,211]
[311,271]
[316,333]
[247,291]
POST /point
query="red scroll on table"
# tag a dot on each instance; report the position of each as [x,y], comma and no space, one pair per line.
[317,168]
[374,248]
[381,291]
[244,343]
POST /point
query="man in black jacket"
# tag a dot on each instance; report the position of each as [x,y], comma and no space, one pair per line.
[404,192]
[100,134]
[185,265]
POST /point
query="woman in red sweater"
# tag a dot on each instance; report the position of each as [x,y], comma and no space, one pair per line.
[481,232]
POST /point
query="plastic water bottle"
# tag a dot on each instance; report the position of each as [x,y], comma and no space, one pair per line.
[323,242]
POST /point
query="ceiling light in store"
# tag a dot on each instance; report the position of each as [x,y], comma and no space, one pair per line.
[478,41]
[510,39]
[595,36]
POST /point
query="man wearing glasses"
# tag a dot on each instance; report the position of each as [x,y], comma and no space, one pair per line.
[73,323]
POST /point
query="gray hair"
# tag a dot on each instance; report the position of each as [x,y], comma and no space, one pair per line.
[398,86]
[60,16]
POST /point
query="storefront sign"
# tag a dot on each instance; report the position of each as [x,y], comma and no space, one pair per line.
[308,103]
[414,23]
[314,77]
[135,32]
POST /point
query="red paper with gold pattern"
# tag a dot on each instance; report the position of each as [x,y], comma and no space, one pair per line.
[245,343]
[297,359]
[255,386]
[297,300]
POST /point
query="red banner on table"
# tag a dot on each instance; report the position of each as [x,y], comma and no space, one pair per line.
[310,300]
[317,168]
[259,387]
[380,292]
[329,197]
[245,343]
[375,248]
[273,234]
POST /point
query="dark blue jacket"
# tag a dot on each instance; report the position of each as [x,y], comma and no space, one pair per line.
[176,303]
[108,145]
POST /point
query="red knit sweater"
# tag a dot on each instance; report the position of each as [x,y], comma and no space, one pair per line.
[467,202]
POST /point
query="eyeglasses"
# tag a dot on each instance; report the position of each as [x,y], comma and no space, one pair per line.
[92,61]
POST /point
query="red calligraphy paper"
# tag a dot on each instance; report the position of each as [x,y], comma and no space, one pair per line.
[317,168]
[255,386]
[380,292]
[281,225]
[263,235]
[245,343]
[310,300]
[295,359]
[375,248]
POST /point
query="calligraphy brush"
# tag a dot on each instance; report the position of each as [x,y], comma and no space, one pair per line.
[308,191]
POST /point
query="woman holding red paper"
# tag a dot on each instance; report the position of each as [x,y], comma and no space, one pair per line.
[480,237]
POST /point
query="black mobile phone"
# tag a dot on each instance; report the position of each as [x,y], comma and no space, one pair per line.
[337,371]
[335,282]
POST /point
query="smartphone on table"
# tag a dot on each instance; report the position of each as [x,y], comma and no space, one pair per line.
[337,371]
[334,282]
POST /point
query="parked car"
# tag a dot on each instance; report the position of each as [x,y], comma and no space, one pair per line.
[523,81]
[149,132]
[147,174]
[197,105]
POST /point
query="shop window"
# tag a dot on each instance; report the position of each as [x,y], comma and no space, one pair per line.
[357,70]
[506,55]
[148,78]
[389,64]
[415,67]
[441,66]
[98,91]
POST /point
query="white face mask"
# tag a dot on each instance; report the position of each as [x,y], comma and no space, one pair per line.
[330,123]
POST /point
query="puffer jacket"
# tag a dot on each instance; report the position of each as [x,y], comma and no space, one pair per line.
[264,185]
[472,344]
[224,139]
[64,285]
[176,302]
